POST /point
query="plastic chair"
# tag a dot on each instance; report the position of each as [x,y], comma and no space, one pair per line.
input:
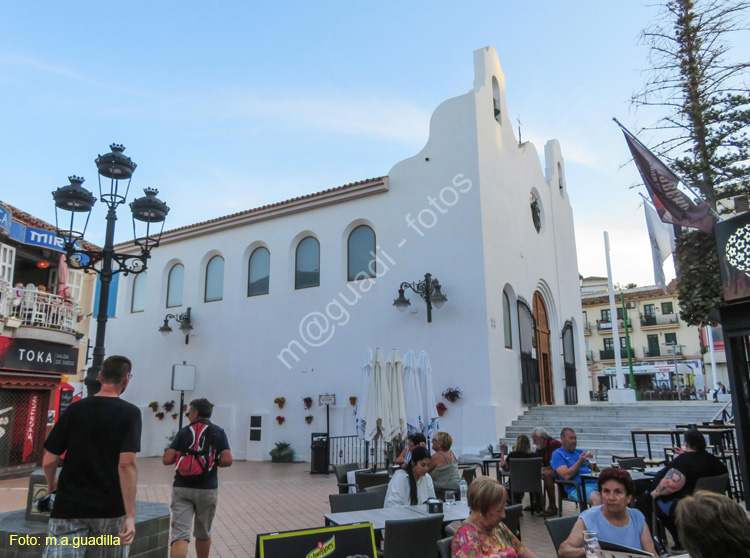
[341,471]
[526,476]
[718,484]
[366,479]
[353,502]
[559,529]
[562,494]
[513,519]
[444,547]
[381,490]
[632,463]
[415,538]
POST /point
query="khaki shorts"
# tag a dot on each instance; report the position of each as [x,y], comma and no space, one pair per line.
[189,502]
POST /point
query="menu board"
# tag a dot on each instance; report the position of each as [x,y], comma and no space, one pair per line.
[342,541]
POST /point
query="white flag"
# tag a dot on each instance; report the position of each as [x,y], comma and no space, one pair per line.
[662,241]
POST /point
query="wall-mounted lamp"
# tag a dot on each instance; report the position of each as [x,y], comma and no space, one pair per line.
[186,326]
[429,290]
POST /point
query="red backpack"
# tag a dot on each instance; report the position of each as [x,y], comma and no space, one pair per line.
[196,461]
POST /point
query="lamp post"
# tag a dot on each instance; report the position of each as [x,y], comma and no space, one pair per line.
[429,290]
[74,198]
[186,326]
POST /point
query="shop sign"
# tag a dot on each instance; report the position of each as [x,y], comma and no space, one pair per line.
[28,442]
[6,218]
[23,354]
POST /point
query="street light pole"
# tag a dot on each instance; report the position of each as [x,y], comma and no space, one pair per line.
[117,167]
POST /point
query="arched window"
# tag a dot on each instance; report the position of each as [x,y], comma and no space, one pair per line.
[175,283]
[307,264]
[214,279]
[258,272]
[506,322]
[560,176]
[138,302]
[361,253]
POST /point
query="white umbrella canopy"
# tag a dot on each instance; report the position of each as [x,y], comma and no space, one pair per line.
[377,405]
[395,377]
[412,393]
[366,372]
[429,424]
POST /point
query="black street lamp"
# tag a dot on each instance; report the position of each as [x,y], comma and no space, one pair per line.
[186,325]
[429,290]
[118,168]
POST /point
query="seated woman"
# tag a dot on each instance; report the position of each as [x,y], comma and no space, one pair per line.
[613,521]
[713,526]
[412,442]
[522,451]
[483,535]
[444,465]
[411,485]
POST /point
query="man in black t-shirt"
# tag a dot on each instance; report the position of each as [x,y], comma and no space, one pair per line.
[95,494]
[196,498]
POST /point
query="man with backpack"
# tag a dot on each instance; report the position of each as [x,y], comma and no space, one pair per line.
[196,451]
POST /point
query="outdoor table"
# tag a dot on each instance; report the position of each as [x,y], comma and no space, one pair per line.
[652,471]
[641,480]
[457,512]
[672,433]
[487,461]
[376,516]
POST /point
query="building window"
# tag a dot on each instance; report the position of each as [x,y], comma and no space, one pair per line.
[619,313]
[258,272]
[609,344]
[667,308]
[307,264]
[138,302]
[506,322]
[670,338]
[560,176]
[649,310]
[361,253]
[536,212]
[214,280]
[606,315]
[623,343]
[175,283]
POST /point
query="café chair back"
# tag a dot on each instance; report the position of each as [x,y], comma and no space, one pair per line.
[526,476]
[380,490]
[513,519]
[560,529]
[444,547]
[415,538]
[341,471]
[718,484]
[632,463]
[562,494]
[469,471]
[354,502]
[366,479]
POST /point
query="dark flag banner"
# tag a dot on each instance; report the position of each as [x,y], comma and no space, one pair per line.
[673,206]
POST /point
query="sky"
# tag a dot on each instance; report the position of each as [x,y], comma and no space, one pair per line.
[226,106]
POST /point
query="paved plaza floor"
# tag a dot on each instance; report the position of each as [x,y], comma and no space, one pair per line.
[261,497]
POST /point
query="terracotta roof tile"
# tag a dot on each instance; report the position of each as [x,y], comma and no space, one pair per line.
[639,293]
[31,221]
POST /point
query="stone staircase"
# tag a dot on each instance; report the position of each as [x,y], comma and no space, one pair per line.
[605,428]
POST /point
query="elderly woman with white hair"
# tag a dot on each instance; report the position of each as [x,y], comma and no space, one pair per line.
[545,447]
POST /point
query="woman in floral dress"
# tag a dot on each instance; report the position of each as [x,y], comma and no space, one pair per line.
[483,535]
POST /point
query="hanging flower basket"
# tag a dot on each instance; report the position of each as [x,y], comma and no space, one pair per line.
[353,400]
[452,394]
[174,415]
[280,402]
[160,415]
[154,406]
[280,419]
[168,406]
[307,402]
[309,419]
[441,408]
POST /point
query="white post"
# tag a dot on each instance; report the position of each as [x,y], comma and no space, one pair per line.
[710,336]
[613,317]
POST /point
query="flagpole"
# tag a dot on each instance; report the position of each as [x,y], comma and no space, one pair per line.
[685,184]
[619,377]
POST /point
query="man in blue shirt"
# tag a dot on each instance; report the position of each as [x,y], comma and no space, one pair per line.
[570,463]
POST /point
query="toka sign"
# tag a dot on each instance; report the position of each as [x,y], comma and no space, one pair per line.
[23,354]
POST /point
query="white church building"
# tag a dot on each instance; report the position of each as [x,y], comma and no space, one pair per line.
[285,298]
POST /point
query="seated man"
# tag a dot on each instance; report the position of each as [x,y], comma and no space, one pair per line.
[415,440]
[570,463]
[545,447]
[678,480]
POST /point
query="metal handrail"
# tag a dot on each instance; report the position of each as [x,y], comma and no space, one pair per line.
[726,413]
[38,308]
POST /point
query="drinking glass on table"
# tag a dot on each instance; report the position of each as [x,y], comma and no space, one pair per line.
[450,498]
[591,543]
[592,463]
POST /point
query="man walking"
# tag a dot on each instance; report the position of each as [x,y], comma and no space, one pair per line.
[570,463]
[96,490]
[545,447]
[203,441]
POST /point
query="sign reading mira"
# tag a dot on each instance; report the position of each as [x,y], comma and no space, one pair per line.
[22,354]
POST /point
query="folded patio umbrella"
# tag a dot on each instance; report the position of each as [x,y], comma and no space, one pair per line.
[395,377]
[364,379]
[377,404]
[429,424]
[412,394]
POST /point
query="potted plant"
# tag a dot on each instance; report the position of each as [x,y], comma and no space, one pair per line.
[174,415]
[309,419]
[280,419]
[353,400]
[154,406]
[280,402]
[160,415]
[452,394]
[441,408]
[168,406]
[282,453]
[307,401]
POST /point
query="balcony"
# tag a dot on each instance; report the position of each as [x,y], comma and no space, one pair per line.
[665,321]
[651,353]
[31,314]
[609,354]
[587,328]
[606,327]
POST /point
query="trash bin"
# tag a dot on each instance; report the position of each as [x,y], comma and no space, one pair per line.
[319,453]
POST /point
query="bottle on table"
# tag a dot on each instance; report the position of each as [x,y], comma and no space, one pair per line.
[463,486]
